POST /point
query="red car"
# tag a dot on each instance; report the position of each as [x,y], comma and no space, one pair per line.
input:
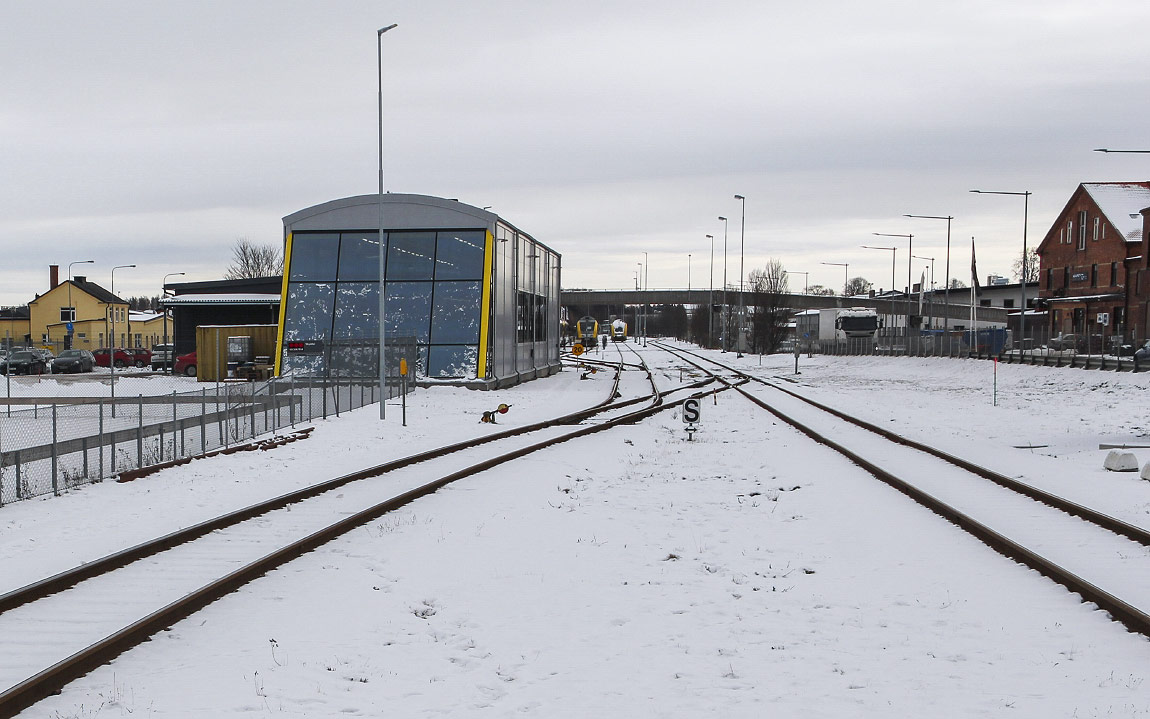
[123,357]
[186,364]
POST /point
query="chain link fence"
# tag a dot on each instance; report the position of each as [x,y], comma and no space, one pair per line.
[51,444]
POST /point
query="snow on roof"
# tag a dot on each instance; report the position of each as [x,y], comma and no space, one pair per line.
[857,312]
[233,298]
[139,316]
[1122,203]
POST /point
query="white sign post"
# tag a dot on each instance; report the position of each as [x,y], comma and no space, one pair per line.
[691,413]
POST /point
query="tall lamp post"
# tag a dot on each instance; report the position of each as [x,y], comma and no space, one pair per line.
[909,252]
[930,302]
[893,254]
[112,344]
[1025,195]
[725,315]
[170,364]
[846,271]
[946,279]
[382,251]
[804,274]
[71,307]
[639,301]
[646,287]
[742,301]
[711,296]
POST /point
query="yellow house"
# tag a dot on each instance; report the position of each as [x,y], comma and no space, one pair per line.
[148,328]
[95,313]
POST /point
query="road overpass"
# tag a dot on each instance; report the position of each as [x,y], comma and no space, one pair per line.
[587,302]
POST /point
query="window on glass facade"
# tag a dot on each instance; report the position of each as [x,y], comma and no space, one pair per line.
[434,295]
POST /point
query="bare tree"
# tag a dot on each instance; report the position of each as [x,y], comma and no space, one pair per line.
[252,260]
[771,315]
[819,290]
[1032,265]
[858,286]
[957,284]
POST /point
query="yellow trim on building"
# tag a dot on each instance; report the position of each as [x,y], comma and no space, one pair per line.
[485,307]
[283,306]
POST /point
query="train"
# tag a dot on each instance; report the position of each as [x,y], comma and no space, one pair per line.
[587,331]
[619,331]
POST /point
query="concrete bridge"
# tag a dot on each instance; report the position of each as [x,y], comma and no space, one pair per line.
[590,302]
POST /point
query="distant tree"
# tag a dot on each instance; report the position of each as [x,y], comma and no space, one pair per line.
[957,284]
[1032,265]
[858,286]
[770,315]
[701,326]
[251,260]
[819,290]
[144,304]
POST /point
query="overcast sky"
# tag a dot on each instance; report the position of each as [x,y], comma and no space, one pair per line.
[156,134]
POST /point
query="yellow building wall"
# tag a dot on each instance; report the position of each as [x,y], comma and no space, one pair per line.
[13,331]
[151,332]
[44,312]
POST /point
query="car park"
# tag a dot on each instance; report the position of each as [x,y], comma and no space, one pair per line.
[74,361]
[186,365]
[162,356]
[24,362]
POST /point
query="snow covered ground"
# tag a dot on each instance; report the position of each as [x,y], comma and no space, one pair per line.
[748,573]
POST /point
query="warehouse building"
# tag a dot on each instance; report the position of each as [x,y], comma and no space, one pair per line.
[479,297]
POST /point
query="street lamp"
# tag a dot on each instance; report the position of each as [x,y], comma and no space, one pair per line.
[112,344]
[946,288]
[711,295]
[726,322]
[893,254]
[170,364]
[638,300]
[71,307]
[930,302]
[804,274]
[1103,149]
[846,271]
[382,254]
[742,302]
[1025,195]
[909,252]
[646,287]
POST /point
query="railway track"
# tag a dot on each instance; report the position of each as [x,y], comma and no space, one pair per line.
[63,626]
[1104,560]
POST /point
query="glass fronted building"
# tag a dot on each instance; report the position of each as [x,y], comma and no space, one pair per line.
[479,298]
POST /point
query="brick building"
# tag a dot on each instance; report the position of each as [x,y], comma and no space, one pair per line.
[1091,258]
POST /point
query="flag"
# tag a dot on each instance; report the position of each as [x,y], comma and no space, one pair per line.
[974,270]
[921,290]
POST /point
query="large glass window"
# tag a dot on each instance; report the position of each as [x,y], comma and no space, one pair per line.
[309,311]
[313,257]
[410,255]
[452,360]
[359,256]
[455,316]
[459,255]
[356,311]
[409,310]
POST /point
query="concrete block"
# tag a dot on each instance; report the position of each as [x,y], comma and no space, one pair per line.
[1146,471]
[1119,461]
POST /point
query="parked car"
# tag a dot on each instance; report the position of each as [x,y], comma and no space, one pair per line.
[24,362]
[1063,342]
[74,361]
[1142,354]
[141,356]
[162,356]
[186,364]
[122,357]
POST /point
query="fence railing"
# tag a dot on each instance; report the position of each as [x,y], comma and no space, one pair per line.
[58,442]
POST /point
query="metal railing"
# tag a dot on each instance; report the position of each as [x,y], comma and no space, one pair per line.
[49,445]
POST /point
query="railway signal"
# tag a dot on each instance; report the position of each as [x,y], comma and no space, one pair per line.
[691,415]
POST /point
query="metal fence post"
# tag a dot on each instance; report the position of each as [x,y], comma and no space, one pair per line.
[204,420]
[291,404]
[55,456]
[252,410]
[275,406]
[140,434]
[19,482]
[100,408]
[325,399]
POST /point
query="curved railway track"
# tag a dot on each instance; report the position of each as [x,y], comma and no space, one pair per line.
[63,626]
[1103,559]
